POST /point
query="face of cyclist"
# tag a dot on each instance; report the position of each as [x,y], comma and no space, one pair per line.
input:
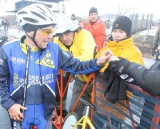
[93,17]
[118,34]
[43,36]
[67,38]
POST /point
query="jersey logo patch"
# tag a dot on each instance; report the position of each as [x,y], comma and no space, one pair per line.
[46,61]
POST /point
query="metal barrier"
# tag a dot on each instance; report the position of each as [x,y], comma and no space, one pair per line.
[127,114]
[57,120]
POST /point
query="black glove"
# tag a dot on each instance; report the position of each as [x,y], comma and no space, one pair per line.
[120,66]
[153,52]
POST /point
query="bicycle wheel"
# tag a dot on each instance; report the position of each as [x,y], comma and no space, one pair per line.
[70,121]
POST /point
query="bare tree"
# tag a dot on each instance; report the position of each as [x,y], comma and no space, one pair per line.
[125,8]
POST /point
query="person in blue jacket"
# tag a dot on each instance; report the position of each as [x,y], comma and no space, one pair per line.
[29,66]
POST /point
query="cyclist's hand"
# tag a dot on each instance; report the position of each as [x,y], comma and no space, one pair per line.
[104,58]
[153,52]
[15,112]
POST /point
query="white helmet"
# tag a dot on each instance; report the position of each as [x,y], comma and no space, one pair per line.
[64,24]
[35,14]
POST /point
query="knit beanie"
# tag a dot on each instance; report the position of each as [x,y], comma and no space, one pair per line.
[93,10]
[123,23]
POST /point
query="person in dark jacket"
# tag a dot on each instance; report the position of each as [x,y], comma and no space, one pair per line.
[5,24]
[156,45]
[147,79]
[28,69]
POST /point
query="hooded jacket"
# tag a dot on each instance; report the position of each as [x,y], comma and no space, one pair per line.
[82,48]
[126,49]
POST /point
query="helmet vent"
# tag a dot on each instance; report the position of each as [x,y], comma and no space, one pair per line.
[20,21]
[40,8]
[37,14]
[51,19]
[22,12]
[30,20]
[49,11]
[43,13]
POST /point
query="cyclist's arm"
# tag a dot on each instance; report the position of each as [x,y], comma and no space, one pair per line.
[147,79]
[6,100]
[73,65]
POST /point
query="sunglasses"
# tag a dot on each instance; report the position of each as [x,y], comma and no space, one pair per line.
[46,32]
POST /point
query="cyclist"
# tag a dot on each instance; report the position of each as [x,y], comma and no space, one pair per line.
[29,68]
[5,24]
[81,44]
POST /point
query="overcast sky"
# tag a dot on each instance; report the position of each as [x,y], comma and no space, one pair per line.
[110,6]
[81,7]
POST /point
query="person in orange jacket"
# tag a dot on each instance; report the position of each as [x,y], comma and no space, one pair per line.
[97,28]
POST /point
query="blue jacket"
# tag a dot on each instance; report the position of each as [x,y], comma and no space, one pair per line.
[43,67]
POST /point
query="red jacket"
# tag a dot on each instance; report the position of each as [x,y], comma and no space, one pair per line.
[98,31]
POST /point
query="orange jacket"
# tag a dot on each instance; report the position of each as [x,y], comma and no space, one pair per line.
[98,31]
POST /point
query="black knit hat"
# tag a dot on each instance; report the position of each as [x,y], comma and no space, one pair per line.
[93,10]
[123,23]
